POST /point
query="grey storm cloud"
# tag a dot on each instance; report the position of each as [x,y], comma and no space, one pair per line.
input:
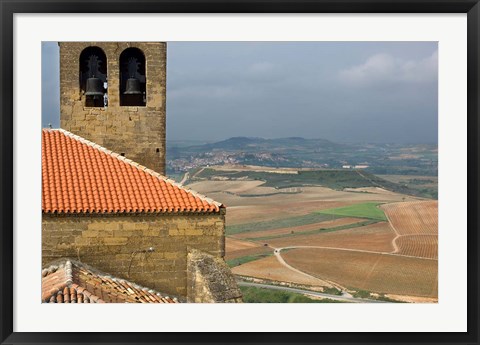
[380,68]
[342,91]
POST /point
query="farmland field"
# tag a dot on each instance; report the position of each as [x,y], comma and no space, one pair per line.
[368,210]
[233,245]
[336,179]
[367,271]
[374,237]
[413,218]
[311,218]
[237,248]
[321,230]
[429,181]
[278,206]
[244,259]
[299,229]
[371,238]
[270,269]
[427,185]
[425,246]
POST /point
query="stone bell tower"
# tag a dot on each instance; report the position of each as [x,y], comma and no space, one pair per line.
[114,94]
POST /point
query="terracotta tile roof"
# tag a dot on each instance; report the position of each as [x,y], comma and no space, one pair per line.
[69,281]
[79,176]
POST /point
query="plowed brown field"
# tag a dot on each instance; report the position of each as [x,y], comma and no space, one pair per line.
[413,218]
[425,246]
[375,237]
[233,244]
[373,272]
[269,268]
[237,248]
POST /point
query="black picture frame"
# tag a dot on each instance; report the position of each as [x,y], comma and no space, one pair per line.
[9,7]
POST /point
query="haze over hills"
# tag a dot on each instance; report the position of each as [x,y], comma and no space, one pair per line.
[259,144]
[403,159]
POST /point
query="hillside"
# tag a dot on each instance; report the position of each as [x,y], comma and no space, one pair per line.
[272,145]
[334,179]
[296,152]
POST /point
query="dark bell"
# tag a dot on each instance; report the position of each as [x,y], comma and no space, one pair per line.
[94,87]
[133,87]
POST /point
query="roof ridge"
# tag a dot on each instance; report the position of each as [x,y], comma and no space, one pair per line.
[134,164]
[68,273]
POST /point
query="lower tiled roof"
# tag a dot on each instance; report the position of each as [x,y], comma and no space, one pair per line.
[69,281]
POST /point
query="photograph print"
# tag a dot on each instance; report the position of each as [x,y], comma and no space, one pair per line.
[239,172]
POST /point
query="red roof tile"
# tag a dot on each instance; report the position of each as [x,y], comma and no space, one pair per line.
[79,176]
[74,282]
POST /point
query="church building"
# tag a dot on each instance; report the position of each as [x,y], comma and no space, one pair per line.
[107,206]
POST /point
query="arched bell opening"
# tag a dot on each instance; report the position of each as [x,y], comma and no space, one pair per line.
[132,78]
[93,77]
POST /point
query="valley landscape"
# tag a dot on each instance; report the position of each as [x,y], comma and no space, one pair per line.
[324,154]
[331,228]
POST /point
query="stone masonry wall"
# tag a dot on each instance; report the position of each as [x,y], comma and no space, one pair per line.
[138,132]
[109,243]
[210,280]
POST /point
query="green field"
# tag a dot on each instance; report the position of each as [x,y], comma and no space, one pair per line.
[278,223]
[260,295]
[321,230]
[248,258]
[367,210]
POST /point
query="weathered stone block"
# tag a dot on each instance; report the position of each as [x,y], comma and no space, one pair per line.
[90,233]
[210,280]
[113,226]
[115,241]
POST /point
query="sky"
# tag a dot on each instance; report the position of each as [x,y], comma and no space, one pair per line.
[379,92]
